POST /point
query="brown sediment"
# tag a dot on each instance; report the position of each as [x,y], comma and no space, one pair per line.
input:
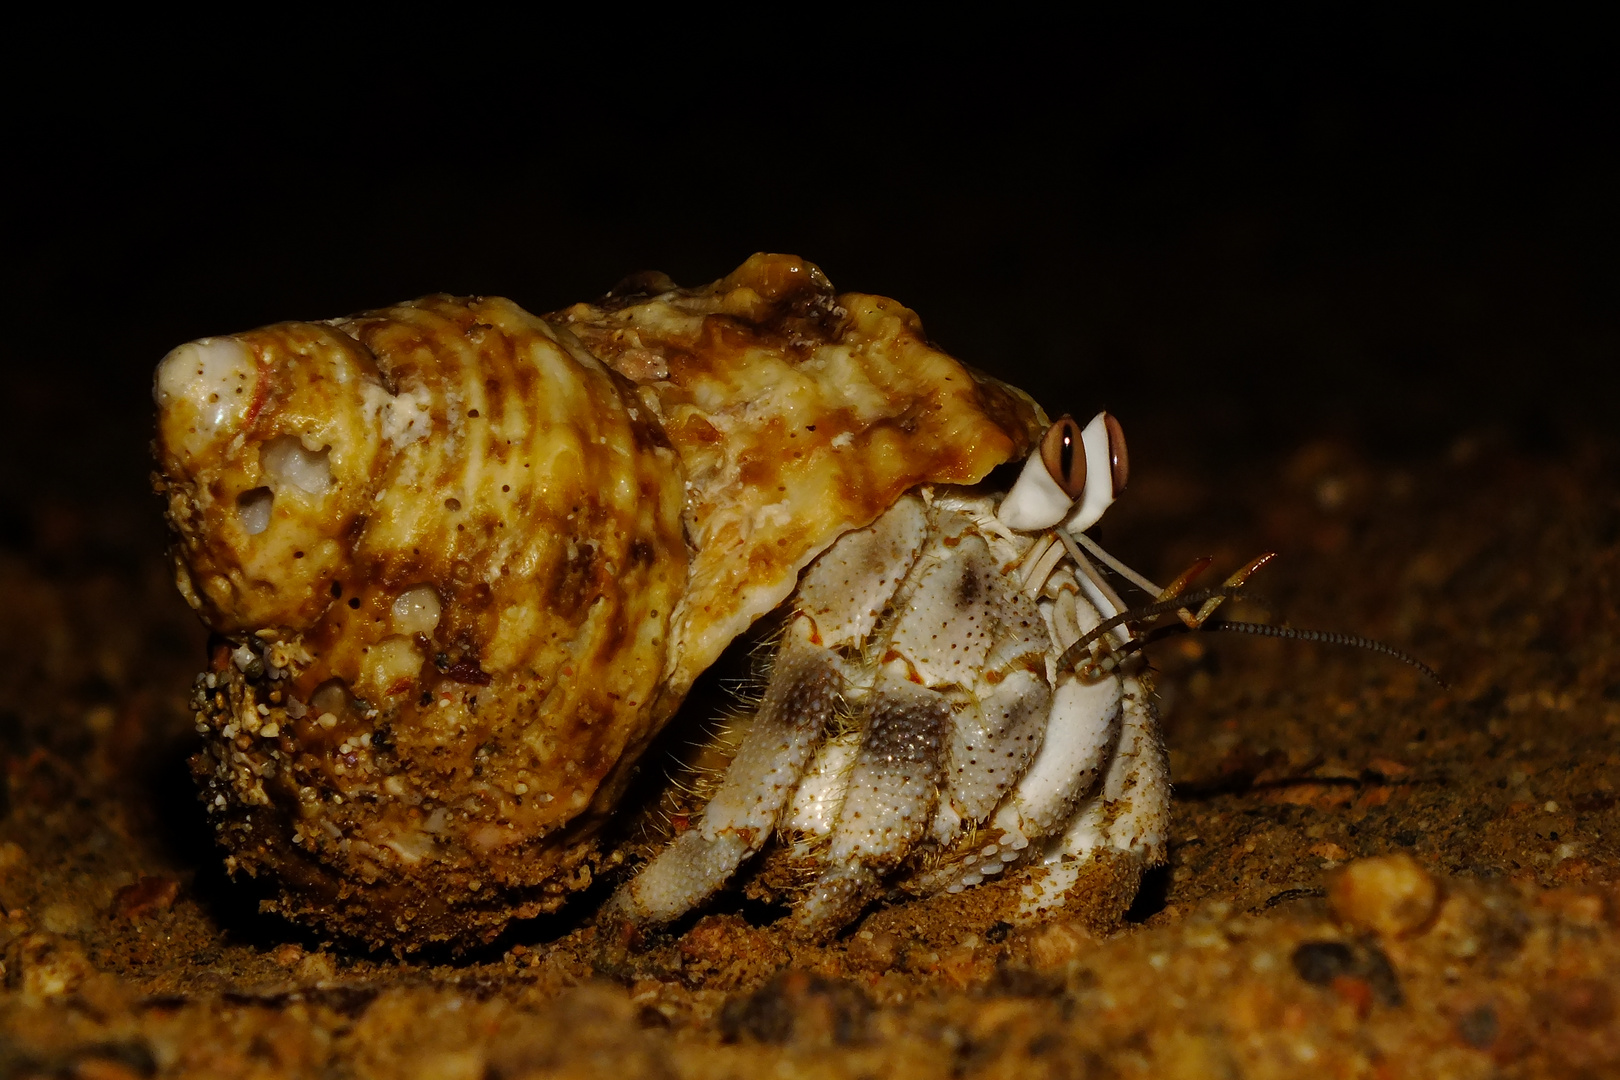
[1292,763]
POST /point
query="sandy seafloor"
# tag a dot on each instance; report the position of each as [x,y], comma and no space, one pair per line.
[1353,299]
[127,953]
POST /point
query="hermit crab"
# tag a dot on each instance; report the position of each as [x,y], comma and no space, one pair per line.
[463,563]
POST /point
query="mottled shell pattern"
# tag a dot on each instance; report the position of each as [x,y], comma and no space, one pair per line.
[465,562]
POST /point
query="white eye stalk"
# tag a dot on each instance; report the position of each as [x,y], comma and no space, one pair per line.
[1107,470]
[1075,474]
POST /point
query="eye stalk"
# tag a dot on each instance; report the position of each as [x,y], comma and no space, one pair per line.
[1108,468]
[1076,474]
[1119,462]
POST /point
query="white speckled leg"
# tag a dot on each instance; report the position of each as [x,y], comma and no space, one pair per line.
[889,800]
[814,810]
[970,632]
[1137,786]
[991,745]
[799,701]
[846,590]
[1082,728]
[1130,814]
[840,599]
[1130,810]
[1085,727]
[994,743]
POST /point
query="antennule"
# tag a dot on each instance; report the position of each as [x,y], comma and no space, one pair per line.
[1146,611]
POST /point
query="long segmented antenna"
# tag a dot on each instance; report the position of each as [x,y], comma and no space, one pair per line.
[1328,637]
[1094,668]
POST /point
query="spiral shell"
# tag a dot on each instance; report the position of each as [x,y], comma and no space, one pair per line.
[465,562]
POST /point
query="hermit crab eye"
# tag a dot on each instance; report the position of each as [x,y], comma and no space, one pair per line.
[1119,462]
[1053,478]
[1064,456]
[1107,469]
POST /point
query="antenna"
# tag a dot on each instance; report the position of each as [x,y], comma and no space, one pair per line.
[1094,668]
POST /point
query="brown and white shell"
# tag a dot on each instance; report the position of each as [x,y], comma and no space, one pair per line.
[465,562]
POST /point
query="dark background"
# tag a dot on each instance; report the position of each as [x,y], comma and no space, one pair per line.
[1238,238]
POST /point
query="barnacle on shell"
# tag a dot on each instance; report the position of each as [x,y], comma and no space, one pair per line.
[464,562]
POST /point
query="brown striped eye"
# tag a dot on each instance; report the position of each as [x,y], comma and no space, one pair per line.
[1064,457]
[1119,462]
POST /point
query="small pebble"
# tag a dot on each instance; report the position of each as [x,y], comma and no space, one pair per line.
[1580,1002]
[1336,963]
[13,860]
[147,896]
[64,917]
[1477,1027]
[1320,962]
[1390,895]
[877,951]
[1058,943]
[287,954]
[316,967]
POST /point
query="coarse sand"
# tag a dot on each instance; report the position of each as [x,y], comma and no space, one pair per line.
[1370,875]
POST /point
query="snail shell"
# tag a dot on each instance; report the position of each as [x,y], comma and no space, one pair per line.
[465,562]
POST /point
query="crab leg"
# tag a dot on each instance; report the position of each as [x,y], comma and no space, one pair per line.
[892,790]
[1082,729]
[992,743]
[1131,810]
[799,702]
[1138,783]
[971,635]
[1130,814]
[840,599]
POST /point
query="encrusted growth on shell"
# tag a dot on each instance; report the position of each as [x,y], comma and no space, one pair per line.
[466,561]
